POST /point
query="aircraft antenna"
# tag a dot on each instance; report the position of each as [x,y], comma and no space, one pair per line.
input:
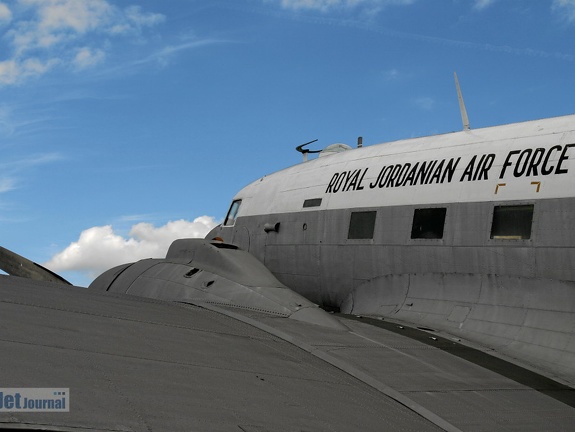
[464,118]
[304,152]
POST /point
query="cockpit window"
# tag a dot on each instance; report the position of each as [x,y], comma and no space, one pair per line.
[232,213]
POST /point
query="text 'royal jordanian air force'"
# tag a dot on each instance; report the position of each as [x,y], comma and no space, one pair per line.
[519,163]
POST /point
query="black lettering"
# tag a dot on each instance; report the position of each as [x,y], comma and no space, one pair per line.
[374,184]
[347,178]
[422,173]
[545,170]
[331,183]
[411,176]
[385,176]
[403,174]
[359,186]
[437,174]
[535,161]
[430,171]
[487,164]
[339,181]
[450,170]
[562,158]
[393,176]
[507,163]
[479,165]
[468,172]
[354,176]
[522,163]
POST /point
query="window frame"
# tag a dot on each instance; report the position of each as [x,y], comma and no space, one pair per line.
[351,228]
[497,216]
[232,215]
[418,217]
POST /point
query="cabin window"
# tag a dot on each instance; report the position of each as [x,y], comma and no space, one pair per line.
[232,213]
[428,223]
[512,222]
[314,202]
[361,225]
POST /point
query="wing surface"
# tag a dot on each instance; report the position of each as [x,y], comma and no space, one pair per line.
[135,363]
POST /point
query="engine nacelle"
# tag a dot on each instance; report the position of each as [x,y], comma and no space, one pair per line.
[200,271]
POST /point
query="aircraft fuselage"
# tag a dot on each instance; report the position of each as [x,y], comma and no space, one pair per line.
[471,232]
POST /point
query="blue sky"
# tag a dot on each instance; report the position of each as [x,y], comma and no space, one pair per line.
[126,124]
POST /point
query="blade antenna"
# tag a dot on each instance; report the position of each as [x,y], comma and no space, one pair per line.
[464,118]
[305,152]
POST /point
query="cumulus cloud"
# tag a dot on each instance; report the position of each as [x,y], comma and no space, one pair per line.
[47,33]
[566,8]
[100,248]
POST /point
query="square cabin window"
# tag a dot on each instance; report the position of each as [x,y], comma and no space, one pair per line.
[361,225]
[428,223]
[512,222]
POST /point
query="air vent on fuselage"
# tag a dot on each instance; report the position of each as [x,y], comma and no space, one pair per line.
[224,246]
[314,202]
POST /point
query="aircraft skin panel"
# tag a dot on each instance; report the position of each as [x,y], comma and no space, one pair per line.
[466,246]
[133,363]
[532,160]
[138,364]
[465,282]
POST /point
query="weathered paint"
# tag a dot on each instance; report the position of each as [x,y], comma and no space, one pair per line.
[516,295]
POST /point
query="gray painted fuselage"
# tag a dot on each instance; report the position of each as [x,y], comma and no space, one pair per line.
[516,295]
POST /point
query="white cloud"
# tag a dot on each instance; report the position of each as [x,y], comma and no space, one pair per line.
[16,71]
[482,4]
[565,8]
[5,13]
[87,57]
[9,72]
[68,33]
[57,21]
[6,184]
[100,248]
[325,5]
[135,15]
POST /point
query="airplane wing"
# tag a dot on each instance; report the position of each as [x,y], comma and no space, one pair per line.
[139,364]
